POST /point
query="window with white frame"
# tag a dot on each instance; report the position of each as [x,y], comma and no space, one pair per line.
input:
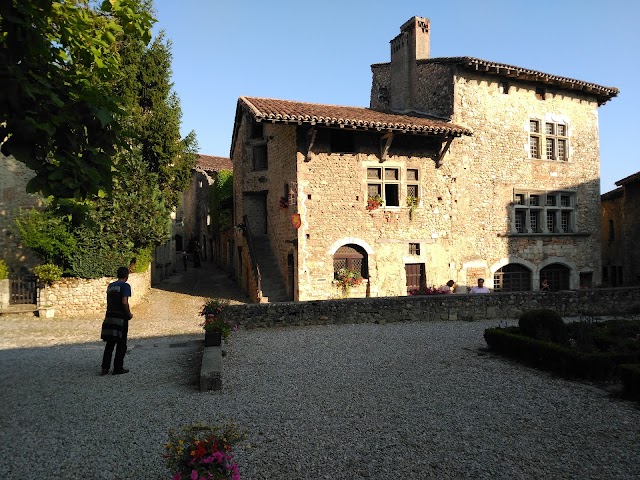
[385,183]
[548,140]
[543,212]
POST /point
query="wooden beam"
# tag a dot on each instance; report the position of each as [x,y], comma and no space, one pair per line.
[311,138]
[385,144]
[443,151]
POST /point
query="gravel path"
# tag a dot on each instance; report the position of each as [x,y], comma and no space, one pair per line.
[395,401]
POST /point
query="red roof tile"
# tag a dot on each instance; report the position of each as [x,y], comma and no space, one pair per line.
[209,163]
[286,111]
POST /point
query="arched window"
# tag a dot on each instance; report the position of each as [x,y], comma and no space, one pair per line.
[353,257]
[558,276]
[512,278]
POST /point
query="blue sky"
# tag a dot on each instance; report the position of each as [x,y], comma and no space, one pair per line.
[322,51]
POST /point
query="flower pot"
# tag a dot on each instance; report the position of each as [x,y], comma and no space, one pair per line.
[212,339]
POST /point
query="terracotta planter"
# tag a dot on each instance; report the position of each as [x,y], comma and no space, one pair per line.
[212,339]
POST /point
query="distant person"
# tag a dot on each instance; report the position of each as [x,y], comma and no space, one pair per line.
[184,260]
[116,323]
[544,286]
[448,287]
[480,288]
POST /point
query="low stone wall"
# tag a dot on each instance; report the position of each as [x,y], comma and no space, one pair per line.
[597,302]
[77,297]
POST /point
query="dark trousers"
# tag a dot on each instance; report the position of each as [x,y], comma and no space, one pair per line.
[121,349]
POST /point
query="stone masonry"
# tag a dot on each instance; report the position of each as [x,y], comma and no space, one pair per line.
[487,205]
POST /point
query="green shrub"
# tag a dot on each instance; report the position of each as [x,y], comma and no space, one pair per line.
[556,358]
[543,324]
[4,270]
[47,273]
[630,375]
[142,260]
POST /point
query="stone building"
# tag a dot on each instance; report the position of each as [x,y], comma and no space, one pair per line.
[461,168]
[620,233]
[193,218]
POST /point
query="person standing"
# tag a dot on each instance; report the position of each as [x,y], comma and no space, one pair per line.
[116,323]
[448,287]
[544,286]
[480,288]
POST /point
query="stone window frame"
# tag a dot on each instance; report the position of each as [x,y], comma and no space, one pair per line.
[548,139]
[543,211]
[405,181]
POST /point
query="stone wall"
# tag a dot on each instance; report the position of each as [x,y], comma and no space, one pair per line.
[77,297]
[612,238]
[13,198]
[632,232]
[596,302]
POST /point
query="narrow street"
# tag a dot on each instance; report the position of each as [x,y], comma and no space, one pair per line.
[170,308]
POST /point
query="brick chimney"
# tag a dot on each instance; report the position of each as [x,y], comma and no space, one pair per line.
[412,44]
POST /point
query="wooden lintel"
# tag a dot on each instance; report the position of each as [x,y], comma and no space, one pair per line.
[443,151]
[311,135]
[385,144]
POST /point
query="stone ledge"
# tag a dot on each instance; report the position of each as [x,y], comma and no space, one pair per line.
[211,370]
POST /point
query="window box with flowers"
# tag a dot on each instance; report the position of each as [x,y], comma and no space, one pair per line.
[346,279]
[217,327]
[412,203]
[374,202]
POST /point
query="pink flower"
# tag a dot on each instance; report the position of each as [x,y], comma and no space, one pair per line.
[218,456]
[194,475]
[177,476]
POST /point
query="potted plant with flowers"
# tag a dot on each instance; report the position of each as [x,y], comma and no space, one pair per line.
[216,326]
[202,452]
[374,202]
[347,278]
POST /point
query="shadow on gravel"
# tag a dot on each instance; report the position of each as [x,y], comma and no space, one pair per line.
[206,281]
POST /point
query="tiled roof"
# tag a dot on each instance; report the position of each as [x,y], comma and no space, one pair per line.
[286,111]
[510,71]
[209,163]
[630,179]
[615,193]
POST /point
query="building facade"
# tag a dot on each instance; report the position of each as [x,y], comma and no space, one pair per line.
[620,233]
[461,168]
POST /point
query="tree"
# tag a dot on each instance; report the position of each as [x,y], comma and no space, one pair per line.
[59,62]
[220,202]
[154,114]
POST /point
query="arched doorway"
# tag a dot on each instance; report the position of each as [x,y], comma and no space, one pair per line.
[513,277]
[558,276]
[353,257]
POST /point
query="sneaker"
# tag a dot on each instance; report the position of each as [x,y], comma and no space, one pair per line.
[121,371]
[105,371]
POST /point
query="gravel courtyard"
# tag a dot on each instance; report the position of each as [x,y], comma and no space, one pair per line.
[394,401]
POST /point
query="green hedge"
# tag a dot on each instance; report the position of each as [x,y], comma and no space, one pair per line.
[630,375]
[565,361]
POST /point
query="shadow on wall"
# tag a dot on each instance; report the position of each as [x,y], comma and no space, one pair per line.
[553,235]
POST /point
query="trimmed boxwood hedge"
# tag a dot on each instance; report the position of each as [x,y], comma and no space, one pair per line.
[630,375]
[565,361]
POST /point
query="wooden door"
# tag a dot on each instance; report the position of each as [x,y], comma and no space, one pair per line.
[416,277]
